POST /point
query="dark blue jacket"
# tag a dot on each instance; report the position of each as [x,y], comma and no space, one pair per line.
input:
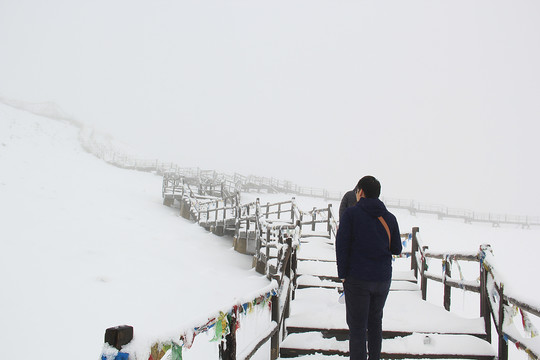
[362,244]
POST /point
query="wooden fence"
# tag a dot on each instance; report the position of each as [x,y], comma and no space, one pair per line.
[270,232]
[468,216]
[495,305]
[282,237]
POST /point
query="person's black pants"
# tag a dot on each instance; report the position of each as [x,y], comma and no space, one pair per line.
[365,302]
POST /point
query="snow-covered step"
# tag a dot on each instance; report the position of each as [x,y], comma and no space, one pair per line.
[317,249]
[317,233]
[407,275]
[318,268]
[322,357]
[424,346]
[415,346]
[306,281]
[310,343]
[403,285]
[328,271]
[405,313]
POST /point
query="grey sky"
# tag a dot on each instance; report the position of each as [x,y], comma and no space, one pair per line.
[438,99]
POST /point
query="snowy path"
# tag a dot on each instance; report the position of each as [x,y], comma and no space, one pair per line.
[405,311]
[317,320]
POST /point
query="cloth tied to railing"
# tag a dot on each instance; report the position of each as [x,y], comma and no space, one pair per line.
[461,277]
[528,326]
[511,311]
[404,244]
[446,262]
[221,324]
[449,260]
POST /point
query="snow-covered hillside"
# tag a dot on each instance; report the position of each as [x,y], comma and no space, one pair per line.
[86,246]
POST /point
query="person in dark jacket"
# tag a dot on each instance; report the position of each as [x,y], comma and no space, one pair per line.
[367,238]
[348,200]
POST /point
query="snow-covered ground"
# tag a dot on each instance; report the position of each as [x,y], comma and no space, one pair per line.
[86,246]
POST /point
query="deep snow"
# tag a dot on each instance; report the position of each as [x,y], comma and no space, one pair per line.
[86,246]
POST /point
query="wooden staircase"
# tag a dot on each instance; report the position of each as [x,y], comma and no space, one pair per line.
[287,247]
[412,328]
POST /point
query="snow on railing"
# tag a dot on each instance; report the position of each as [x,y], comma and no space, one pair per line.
[494,302]
[223,324]
[280,221]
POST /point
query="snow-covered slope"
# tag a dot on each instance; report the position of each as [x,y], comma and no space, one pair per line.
[85,246]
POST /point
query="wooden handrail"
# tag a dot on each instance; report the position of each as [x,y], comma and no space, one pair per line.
[488,308]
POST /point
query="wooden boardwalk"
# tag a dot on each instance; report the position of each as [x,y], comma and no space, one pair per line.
[412,327]
[296,248]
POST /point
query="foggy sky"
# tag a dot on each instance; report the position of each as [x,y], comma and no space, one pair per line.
[438,99]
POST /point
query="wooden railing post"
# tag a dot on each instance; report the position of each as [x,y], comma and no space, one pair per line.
[287,271]
[294,266]
[414,250]
[293,204]
[447,273]
[313,218]
[216,211]
[224,213]
[258,231]
[247,219]
[268,240]
[260,226]
[329,225]
[237,215]
[503,344]
[274,342]
[484,299]
[423,280]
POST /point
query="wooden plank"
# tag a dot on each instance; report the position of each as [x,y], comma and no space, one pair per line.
[412,346]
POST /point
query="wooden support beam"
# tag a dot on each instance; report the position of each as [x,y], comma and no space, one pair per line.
[414,249]
[423,281]
[447,270]
[503,344]
[274,342]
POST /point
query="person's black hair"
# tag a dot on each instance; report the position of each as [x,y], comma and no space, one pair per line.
[370,185]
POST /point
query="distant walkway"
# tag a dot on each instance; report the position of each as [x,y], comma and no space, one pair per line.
[469,216]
